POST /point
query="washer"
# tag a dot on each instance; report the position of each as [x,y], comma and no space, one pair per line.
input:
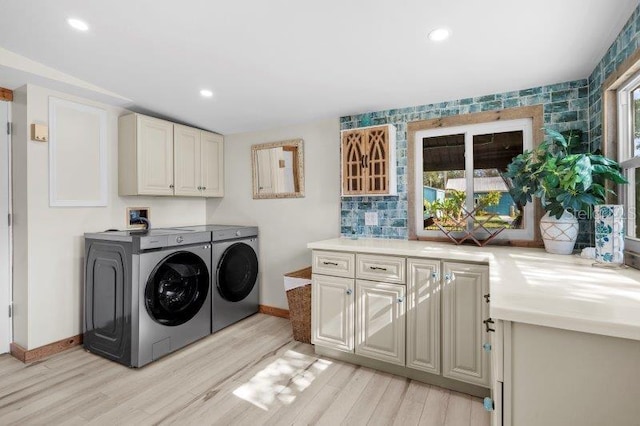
[147,293]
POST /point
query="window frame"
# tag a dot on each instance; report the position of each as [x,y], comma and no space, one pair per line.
[525,125]
[626,157]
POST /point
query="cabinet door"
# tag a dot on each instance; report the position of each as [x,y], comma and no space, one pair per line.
[423,315]
[377,160]
[155,156]
[212,164]
[332,312]
[380,321]
[353,171]
[463,310]
[187,160]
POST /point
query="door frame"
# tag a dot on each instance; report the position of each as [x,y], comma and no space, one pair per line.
[5,231]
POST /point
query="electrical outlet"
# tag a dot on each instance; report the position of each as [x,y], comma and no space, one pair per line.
[371,218]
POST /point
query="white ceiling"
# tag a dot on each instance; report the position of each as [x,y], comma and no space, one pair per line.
[279,62]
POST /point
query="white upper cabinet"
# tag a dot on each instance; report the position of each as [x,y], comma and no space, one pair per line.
[145,156]
[157,157]
[212,164]
[187,151]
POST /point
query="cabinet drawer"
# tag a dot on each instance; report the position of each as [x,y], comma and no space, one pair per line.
[381,268]
[334,263]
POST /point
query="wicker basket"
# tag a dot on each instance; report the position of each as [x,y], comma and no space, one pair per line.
[299,299]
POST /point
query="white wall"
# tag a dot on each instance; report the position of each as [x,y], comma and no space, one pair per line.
[286,225]
[49,256]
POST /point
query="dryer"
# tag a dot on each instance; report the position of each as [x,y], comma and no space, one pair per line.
[147,293]
[235,286]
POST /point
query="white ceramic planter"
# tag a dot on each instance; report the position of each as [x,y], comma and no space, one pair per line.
[559,235]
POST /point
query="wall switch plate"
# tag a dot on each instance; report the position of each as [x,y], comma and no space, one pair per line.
[371,218]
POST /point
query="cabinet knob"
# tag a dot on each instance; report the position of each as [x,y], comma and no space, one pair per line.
[400,299]
[434,275]
[204,187]
[448,277]
[199,188]
[487,298]
[171,186]
[349,291]
[488,404]
[487,347]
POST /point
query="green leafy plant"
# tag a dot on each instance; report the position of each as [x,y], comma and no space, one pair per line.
[562,179]
[451,205]
[489,199]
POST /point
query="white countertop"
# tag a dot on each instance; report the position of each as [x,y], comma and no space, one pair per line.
[532,286]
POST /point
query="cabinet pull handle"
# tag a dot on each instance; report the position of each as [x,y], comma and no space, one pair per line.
[377,268]
[366,161]
[330,263]
[362,161]
[487,297]
[487,325]
[349,291]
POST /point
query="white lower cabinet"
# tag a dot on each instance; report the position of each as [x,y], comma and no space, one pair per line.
[332,312]
[380,324]
[423,315]
[435,323]
[464,310]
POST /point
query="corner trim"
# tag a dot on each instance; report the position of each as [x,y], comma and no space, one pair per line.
[37,354]
[276,312]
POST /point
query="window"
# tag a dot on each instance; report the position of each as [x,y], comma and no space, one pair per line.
[461,168]
[628,103]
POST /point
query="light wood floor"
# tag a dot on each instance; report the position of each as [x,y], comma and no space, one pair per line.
[248,374]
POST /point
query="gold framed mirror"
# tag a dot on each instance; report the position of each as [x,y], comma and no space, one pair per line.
[278,169]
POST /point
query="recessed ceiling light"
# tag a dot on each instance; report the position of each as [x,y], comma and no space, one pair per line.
[439,34]
[78,24]
[206,93]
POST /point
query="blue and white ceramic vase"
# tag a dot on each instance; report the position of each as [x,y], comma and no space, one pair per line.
[609,233]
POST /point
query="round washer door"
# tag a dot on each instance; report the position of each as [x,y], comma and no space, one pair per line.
[177,288]
[237,272]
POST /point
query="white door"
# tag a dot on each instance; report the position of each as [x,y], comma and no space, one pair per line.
[5,271]
[463,331]
[380,323]
[423,315]
[212,164]
[332,312]
[155,156]
[187,153]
